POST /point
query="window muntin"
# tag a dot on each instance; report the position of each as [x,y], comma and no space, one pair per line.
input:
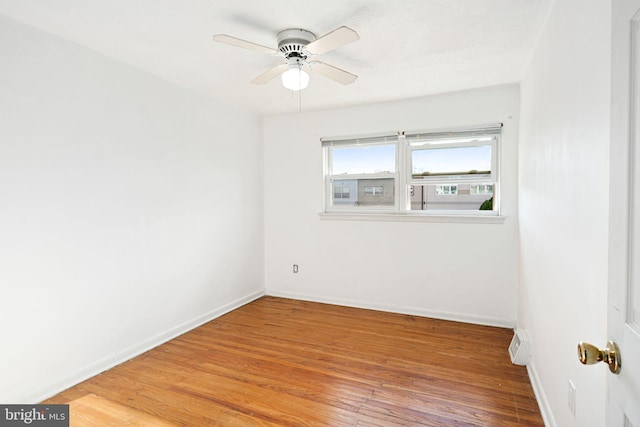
[447,172]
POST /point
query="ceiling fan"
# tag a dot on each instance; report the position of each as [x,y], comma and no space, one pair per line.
[298,47]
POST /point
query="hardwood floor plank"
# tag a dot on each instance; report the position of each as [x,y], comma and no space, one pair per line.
[282,362]
[92,410]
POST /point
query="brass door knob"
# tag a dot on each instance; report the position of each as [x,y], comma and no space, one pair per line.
[590,354]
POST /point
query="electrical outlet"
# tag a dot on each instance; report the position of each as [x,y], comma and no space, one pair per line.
[572,398]
[295,268]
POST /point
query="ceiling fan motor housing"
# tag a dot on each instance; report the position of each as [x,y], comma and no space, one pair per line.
[291,42]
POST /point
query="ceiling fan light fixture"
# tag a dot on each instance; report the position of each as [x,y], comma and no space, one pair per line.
[295,78]
[299,47]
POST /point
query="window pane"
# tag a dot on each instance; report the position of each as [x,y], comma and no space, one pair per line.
[450,161]
[344,192]
[363,192]
[449,197]
[364,159]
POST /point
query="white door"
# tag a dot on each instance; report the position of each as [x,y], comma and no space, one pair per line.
[623,401]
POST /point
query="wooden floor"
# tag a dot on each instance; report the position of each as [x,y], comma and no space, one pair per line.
[281,362]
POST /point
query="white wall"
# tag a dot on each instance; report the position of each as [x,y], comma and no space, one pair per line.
[563,210]
[130,211]
[449,270]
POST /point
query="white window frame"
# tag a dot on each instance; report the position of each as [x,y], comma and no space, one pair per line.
[453,140]
[406,143]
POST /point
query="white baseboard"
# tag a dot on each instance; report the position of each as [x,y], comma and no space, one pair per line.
[122,356]
[415,311]
[541,397]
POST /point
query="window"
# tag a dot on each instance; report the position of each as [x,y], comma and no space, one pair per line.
[341,192]
[367,170]
[453,172]
[446,189]
[481,189]
[374,191]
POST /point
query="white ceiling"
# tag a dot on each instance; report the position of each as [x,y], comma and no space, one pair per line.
[407,48]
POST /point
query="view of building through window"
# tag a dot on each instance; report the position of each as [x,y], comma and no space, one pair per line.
[356,192]
[365,192]
[448,197]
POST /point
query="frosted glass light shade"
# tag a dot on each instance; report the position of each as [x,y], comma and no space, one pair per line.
[295,79]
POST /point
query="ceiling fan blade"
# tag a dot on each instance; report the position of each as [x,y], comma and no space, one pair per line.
[234,41]
[333,73]
[270,74]
[333,40]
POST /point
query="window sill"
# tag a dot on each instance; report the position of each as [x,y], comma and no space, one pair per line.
[400,217]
